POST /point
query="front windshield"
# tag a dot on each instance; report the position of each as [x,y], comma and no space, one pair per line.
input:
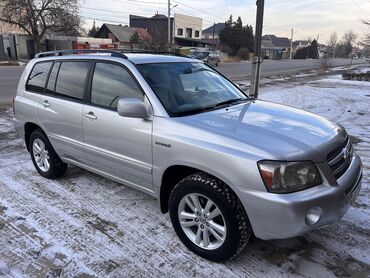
[190,88]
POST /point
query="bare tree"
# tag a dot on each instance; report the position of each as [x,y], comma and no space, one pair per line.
[36,17]
[323,65]
[345,46]
[332,42]
[349,37]
[366,40]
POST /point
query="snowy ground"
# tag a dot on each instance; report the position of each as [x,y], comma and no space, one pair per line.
[84,225]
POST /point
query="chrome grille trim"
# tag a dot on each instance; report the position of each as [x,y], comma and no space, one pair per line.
[353,186]
[340,159]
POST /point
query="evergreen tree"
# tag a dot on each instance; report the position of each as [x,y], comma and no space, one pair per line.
[135,38]
[236,36]
[310,52]
[93,31]
[313,50]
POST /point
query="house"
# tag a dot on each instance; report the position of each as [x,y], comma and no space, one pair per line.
[185,30]
[15,43]
[156,26]
[214,29]
[211,34]
[121,35]
[300,44]
[274,47]
[54,42]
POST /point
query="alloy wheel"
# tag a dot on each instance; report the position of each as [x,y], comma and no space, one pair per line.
[202,221]
[41,155]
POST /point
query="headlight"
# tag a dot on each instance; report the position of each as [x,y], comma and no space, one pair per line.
[286,177]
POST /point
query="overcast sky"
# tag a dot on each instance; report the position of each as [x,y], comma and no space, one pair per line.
[309,18]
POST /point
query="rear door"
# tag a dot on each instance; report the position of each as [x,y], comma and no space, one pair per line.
[61,105]
[118,146]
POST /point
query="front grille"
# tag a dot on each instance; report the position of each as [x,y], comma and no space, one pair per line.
[340,159]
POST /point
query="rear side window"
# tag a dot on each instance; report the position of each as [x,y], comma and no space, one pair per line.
[112,82]
[37,79]
[71,79]
[52,78]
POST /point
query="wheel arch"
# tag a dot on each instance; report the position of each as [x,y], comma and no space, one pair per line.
[29,127]
[175,173]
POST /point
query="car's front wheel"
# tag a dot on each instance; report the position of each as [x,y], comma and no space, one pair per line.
[209,218]
[44,157]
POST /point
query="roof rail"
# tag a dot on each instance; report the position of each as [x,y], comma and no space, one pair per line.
[113,53]
[148,51]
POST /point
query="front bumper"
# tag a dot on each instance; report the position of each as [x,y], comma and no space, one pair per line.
[278,216]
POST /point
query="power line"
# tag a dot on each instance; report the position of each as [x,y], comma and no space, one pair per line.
[139,1]
[200,11]
[103,19]
[358,6]
[94,14]
[117,12]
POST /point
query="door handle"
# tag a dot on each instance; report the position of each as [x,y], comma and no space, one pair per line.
[45,103]
[90,115]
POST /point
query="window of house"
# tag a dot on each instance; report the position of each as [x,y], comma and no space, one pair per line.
[71,79]
[112,82]
[180,31]
[197,34]
[37,79]
[189,33]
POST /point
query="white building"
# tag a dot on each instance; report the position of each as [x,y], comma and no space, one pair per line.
[188,27]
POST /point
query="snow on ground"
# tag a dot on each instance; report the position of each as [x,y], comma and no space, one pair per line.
[84,225]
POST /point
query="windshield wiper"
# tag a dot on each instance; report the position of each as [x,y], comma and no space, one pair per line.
[211,107]
[230,102]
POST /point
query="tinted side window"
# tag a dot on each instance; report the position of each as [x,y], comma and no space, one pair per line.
[37,79]
[52,78]
[71,79]
[110,83]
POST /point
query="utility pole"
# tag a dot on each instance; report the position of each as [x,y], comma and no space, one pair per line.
[213,37]
[334,50]
[257,57]
[169,26]
[291,45]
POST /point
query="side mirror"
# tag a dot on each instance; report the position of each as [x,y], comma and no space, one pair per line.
[132,108]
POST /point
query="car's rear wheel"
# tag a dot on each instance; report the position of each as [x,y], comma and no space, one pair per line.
[44,157]
[209,218]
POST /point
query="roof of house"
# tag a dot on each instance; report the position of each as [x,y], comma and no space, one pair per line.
[124,33]
[300,42]
[277,41]
[268,45]
[156,16]
[218,28]
[159,16]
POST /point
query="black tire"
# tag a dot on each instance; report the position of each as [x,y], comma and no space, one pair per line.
[238,227]
[57,166]
[217,63]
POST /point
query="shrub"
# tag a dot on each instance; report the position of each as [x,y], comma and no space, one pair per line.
[243,53]
[358,76]
[324,64]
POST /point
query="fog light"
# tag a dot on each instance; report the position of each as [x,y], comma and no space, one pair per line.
[313,216]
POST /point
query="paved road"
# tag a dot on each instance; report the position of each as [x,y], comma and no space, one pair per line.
[9,77]
[271,67]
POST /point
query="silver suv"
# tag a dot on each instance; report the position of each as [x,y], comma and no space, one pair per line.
[225,166]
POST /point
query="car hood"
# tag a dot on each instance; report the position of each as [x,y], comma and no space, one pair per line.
[272,130]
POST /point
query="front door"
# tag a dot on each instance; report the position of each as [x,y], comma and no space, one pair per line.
[118,146]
